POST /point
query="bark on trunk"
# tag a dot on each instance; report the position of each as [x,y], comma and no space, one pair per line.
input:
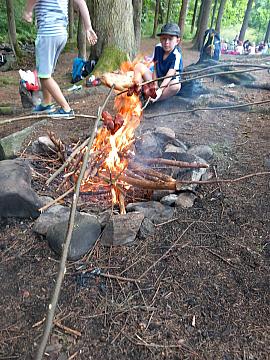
[137,16]
[156,18]
[12,28]
[267,34]
[213,14]
[182,16]
[81,40]
[168,10]
[245,21]
[70,19]
[206,7]
[220,15]
[194,16]
[113,22]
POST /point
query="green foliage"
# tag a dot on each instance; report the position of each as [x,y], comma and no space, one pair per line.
[25,32]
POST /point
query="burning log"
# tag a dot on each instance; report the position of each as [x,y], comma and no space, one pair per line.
[167,162]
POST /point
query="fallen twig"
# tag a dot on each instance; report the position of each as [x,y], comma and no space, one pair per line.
[71,222]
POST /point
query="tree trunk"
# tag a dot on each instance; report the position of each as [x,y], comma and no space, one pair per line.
[156,19]
[213,14]
[81,39]
[198,21]
[168,10]
[220,15]
[267,34]
[245,21]
[115,31]
[70,19]
[194,16]
[12,28]
[137,16]
[202,26]
[182,16]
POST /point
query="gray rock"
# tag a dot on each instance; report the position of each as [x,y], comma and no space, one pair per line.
[165,134]
[85,233]
[147,229]
[152,210]
[202,151]
[186,199]
[43,145]
[159,194]
[12,144]
[17,198]
[104,217]
[170,148]
[148,145]
[54,215]
[169,199]
[122,229]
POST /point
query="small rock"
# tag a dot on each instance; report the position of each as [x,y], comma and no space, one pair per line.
[169,199]
[186,199]
[202,151]
[164,134]
[148,145]
[43,145]
[153,210]
[173,149]
[85,233]
[159,194]
[121,229]
[147,228]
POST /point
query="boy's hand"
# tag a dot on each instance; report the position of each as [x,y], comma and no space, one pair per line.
[91,36]
[158,95]
[28,16]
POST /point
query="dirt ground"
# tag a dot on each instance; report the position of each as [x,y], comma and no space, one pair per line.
[208,298]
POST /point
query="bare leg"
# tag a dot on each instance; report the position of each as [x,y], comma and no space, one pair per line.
[172,89]
[51,90]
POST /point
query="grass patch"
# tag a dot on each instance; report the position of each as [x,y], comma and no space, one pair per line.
[8,80]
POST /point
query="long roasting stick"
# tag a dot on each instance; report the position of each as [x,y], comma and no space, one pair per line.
[71,222]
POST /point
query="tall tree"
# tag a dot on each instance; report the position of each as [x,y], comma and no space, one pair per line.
[220,15]
[182,16]
[213,14]
[70,19]
[194,16]
[12,28]
[156,18]
[202,26]
[245,21]
[169,5]
[267,34]
[115,31]
[137,17]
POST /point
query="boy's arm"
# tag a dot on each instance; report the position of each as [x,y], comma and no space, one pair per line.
[28,11]
[90,34]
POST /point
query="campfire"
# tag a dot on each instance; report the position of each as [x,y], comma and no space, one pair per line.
[113,166]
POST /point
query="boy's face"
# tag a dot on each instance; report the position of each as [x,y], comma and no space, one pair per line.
[169,42]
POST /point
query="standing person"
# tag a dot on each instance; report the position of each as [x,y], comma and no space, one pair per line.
[52,20]
[167,62]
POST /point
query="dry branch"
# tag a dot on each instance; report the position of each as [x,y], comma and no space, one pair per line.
[62,267]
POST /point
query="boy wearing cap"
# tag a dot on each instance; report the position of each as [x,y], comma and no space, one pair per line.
[168,62]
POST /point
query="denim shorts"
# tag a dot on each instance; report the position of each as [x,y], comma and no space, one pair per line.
[48,49]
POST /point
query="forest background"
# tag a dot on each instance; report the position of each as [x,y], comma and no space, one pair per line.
[154,13]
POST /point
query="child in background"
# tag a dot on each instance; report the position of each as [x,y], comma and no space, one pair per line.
[168,62]
[52,21]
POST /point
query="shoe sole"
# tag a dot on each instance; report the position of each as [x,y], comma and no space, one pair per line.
[43,111]
[70,117]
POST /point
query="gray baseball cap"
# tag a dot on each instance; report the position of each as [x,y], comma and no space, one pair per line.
[170,29]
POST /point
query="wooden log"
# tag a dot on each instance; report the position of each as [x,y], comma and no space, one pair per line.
[167,162]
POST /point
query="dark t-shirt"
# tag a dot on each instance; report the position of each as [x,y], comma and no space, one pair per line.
[173,61]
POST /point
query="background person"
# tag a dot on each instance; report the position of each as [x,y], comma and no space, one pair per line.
[52,21]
